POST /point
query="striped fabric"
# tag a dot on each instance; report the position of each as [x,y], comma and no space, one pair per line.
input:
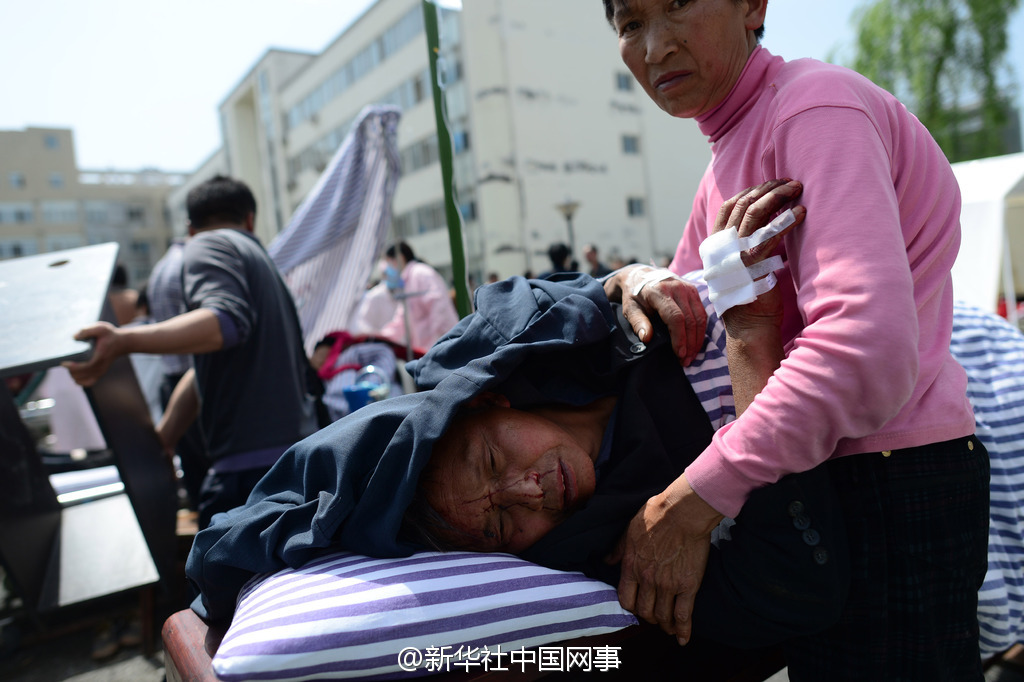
[329,248]
[709,372]
[992,352]
[349,616]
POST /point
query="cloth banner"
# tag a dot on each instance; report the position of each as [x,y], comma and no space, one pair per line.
[329,248]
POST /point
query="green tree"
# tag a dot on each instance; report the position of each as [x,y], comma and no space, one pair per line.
[946,60]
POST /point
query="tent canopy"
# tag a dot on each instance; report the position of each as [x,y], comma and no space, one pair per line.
[991,258]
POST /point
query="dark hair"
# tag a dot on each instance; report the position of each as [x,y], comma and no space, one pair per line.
[119,280]
[609,14]
[406,250]
[219,200]
[559,253]
[142,301]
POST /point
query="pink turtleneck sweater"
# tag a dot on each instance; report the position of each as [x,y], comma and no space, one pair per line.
[867,287]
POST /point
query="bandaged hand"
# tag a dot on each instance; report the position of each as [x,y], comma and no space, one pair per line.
[738,255]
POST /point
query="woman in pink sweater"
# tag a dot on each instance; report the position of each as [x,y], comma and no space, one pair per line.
[867,385]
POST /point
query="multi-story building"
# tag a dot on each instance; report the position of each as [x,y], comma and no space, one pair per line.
[542,114]
[47,203]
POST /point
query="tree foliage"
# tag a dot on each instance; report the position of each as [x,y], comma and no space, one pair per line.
[946,60]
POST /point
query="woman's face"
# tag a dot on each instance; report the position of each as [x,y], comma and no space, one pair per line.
[503,478]
[687,54]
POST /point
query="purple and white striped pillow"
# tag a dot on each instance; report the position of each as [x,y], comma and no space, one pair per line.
[346,615]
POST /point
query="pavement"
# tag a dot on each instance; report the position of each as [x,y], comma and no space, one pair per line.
[67,659]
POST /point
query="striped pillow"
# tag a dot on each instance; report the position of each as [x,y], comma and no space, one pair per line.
[346,615]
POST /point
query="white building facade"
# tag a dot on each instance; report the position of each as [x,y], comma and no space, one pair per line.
[541,111]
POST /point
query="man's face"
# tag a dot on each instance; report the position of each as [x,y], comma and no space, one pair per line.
[504,478]
[686,54]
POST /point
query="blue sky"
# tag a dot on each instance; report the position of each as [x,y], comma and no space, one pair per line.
[139,81]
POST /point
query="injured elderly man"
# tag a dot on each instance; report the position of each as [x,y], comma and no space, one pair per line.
[543,425]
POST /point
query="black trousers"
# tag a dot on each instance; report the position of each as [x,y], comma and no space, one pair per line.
[917,522]
[782,571]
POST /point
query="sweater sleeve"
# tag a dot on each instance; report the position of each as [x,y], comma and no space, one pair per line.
[214,278]
[855,363]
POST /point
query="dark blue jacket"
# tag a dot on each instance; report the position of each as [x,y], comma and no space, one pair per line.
[537,341]
[348,485]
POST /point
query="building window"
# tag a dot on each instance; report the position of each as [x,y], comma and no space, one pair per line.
[51,142]
[404,31]
[61,242]
[419,88]
[17,180]
[460,140]
[419,220]
[96,213]
[468,210]
[402,225]
[635,207]
[140,249]
[624,81]
[630,144]
[12,213]
[419,154]
[15,248]
[56,180]
[431,217]
[59,212]
[136,214]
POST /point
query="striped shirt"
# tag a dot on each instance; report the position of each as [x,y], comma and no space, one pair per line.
[709,372]
[327,251]
[992,352]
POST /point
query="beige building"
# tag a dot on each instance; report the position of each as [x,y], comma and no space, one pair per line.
[48,204]
[541,110]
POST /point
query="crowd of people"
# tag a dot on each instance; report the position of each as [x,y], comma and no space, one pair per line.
[675,431]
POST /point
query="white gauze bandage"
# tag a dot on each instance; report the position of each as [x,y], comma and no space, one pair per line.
[651,276]
[729,282]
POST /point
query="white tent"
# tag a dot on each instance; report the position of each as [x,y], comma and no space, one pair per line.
[991,259]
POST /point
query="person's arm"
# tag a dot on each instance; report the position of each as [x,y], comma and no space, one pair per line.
[197,331]
[665,549]
[854,361]
[182,409]
[676,302]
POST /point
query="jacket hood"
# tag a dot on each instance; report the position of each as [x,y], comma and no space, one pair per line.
[348,485]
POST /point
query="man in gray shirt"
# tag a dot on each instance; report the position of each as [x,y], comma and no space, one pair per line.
[250,386]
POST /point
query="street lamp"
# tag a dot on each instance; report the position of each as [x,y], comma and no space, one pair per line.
[568,208]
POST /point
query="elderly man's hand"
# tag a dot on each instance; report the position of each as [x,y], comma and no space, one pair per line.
[106,348]
[677,303]
[664,553]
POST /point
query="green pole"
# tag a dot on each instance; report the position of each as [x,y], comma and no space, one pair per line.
[444,145]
